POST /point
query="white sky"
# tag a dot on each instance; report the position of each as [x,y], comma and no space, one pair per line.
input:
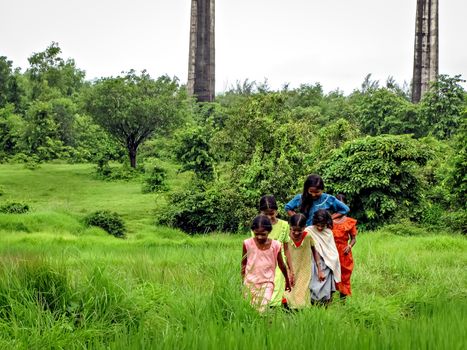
[336,43]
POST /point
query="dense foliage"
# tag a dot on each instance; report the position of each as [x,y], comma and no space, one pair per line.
[134,107]
[379,176]
[14,208]
[395,160]
[111,222]
[156,180]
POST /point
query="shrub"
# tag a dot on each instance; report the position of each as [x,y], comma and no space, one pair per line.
[207,207]
[106,172]
[379,176]
[108,221]
[14,208]
[456,220]
[156,181]
[194,153]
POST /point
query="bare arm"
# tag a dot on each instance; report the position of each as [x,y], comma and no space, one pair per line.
[289,263]
[244,261]
[291,212]
[336,216]
[353,240]
[281,264]
[316,257]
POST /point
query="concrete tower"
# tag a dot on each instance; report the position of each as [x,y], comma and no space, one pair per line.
[201,61]
[425,67]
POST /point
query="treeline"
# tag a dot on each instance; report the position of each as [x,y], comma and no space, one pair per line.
[395,160]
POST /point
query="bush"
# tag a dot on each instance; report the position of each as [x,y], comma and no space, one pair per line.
[455,220]
[156,181]
[379,175]
[207,207]
[14,208]
[108,221]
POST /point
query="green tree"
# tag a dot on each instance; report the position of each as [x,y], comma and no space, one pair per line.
[330,138]
[379,176]
[382,111]
[132,108]
[64,111]
[11,130]
[443,106]
[305,96]
[457,179]
[6,74]
[41,132]
[92,143]
[52,76]
[262,147]
[10,87]
[193,152]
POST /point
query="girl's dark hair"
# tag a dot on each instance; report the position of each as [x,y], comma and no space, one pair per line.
[267,202]
[323,217]
[312,180]
[297,220]
[261,221]
[341,197]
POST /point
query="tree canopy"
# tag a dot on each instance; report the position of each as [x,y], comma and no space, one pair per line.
[133,107]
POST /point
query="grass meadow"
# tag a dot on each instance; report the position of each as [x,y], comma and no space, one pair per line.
[67,286]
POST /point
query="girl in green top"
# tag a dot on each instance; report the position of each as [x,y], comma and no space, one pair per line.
[280,232]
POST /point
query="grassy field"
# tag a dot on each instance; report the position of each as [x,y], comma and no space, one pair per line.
[67,286]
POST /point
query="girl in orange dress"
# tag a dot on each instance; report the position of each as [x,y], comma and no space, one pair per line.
[345,229]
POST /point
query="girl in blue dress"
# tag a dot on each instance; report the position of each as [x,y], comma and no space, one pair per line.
[313,198]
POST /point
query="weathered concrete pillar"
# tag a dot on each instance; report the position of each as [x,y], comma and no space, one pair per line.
[201,61]
[426,52]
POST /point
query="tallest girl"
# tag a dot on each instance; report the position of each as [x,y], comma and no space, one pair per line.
[313,198]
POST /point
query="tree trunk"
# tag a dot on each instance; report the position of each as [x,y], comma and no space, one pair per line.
[132,150]
[201,61]
[426,51]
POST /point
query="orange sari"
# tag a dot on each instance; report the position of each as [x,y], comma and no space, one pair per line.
[343,229]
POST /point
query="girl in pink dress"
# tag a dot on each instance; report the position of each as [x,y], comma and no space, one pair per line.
[261,255]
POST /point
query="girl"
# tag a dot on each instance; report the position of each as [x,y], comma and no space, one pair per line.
[261,255]
[280,232]
[345,228]
[302,248]
[322,288]
[313,199]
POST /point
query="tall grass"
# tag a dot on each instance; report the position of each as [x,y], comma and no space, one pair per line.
[100,292]
[67,286]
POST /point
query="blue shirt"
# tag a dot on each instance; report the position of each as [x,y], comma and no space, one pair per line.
[325,201]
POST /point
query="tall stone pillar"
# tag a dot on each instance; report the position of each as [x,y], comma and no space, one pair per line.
[426,52]
[201,61]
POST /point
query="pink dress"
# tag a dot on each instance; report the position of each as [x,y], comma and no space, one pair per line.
[260,272]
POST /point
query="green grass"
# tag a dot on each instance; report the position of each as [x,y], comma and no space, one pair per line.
[67,286]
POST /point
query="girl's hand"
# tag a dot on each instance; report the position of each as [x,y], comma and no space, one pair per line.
[321,276]
[291,279]
[287,286]
[347,249]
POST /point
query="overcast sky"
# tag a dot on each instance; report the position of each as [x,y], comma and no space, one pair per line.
[336,43]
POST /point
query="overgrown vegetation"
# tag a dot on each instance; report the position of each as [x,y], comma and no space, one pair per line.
[111,222]
[14,208]
[396,160]
[64,284]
